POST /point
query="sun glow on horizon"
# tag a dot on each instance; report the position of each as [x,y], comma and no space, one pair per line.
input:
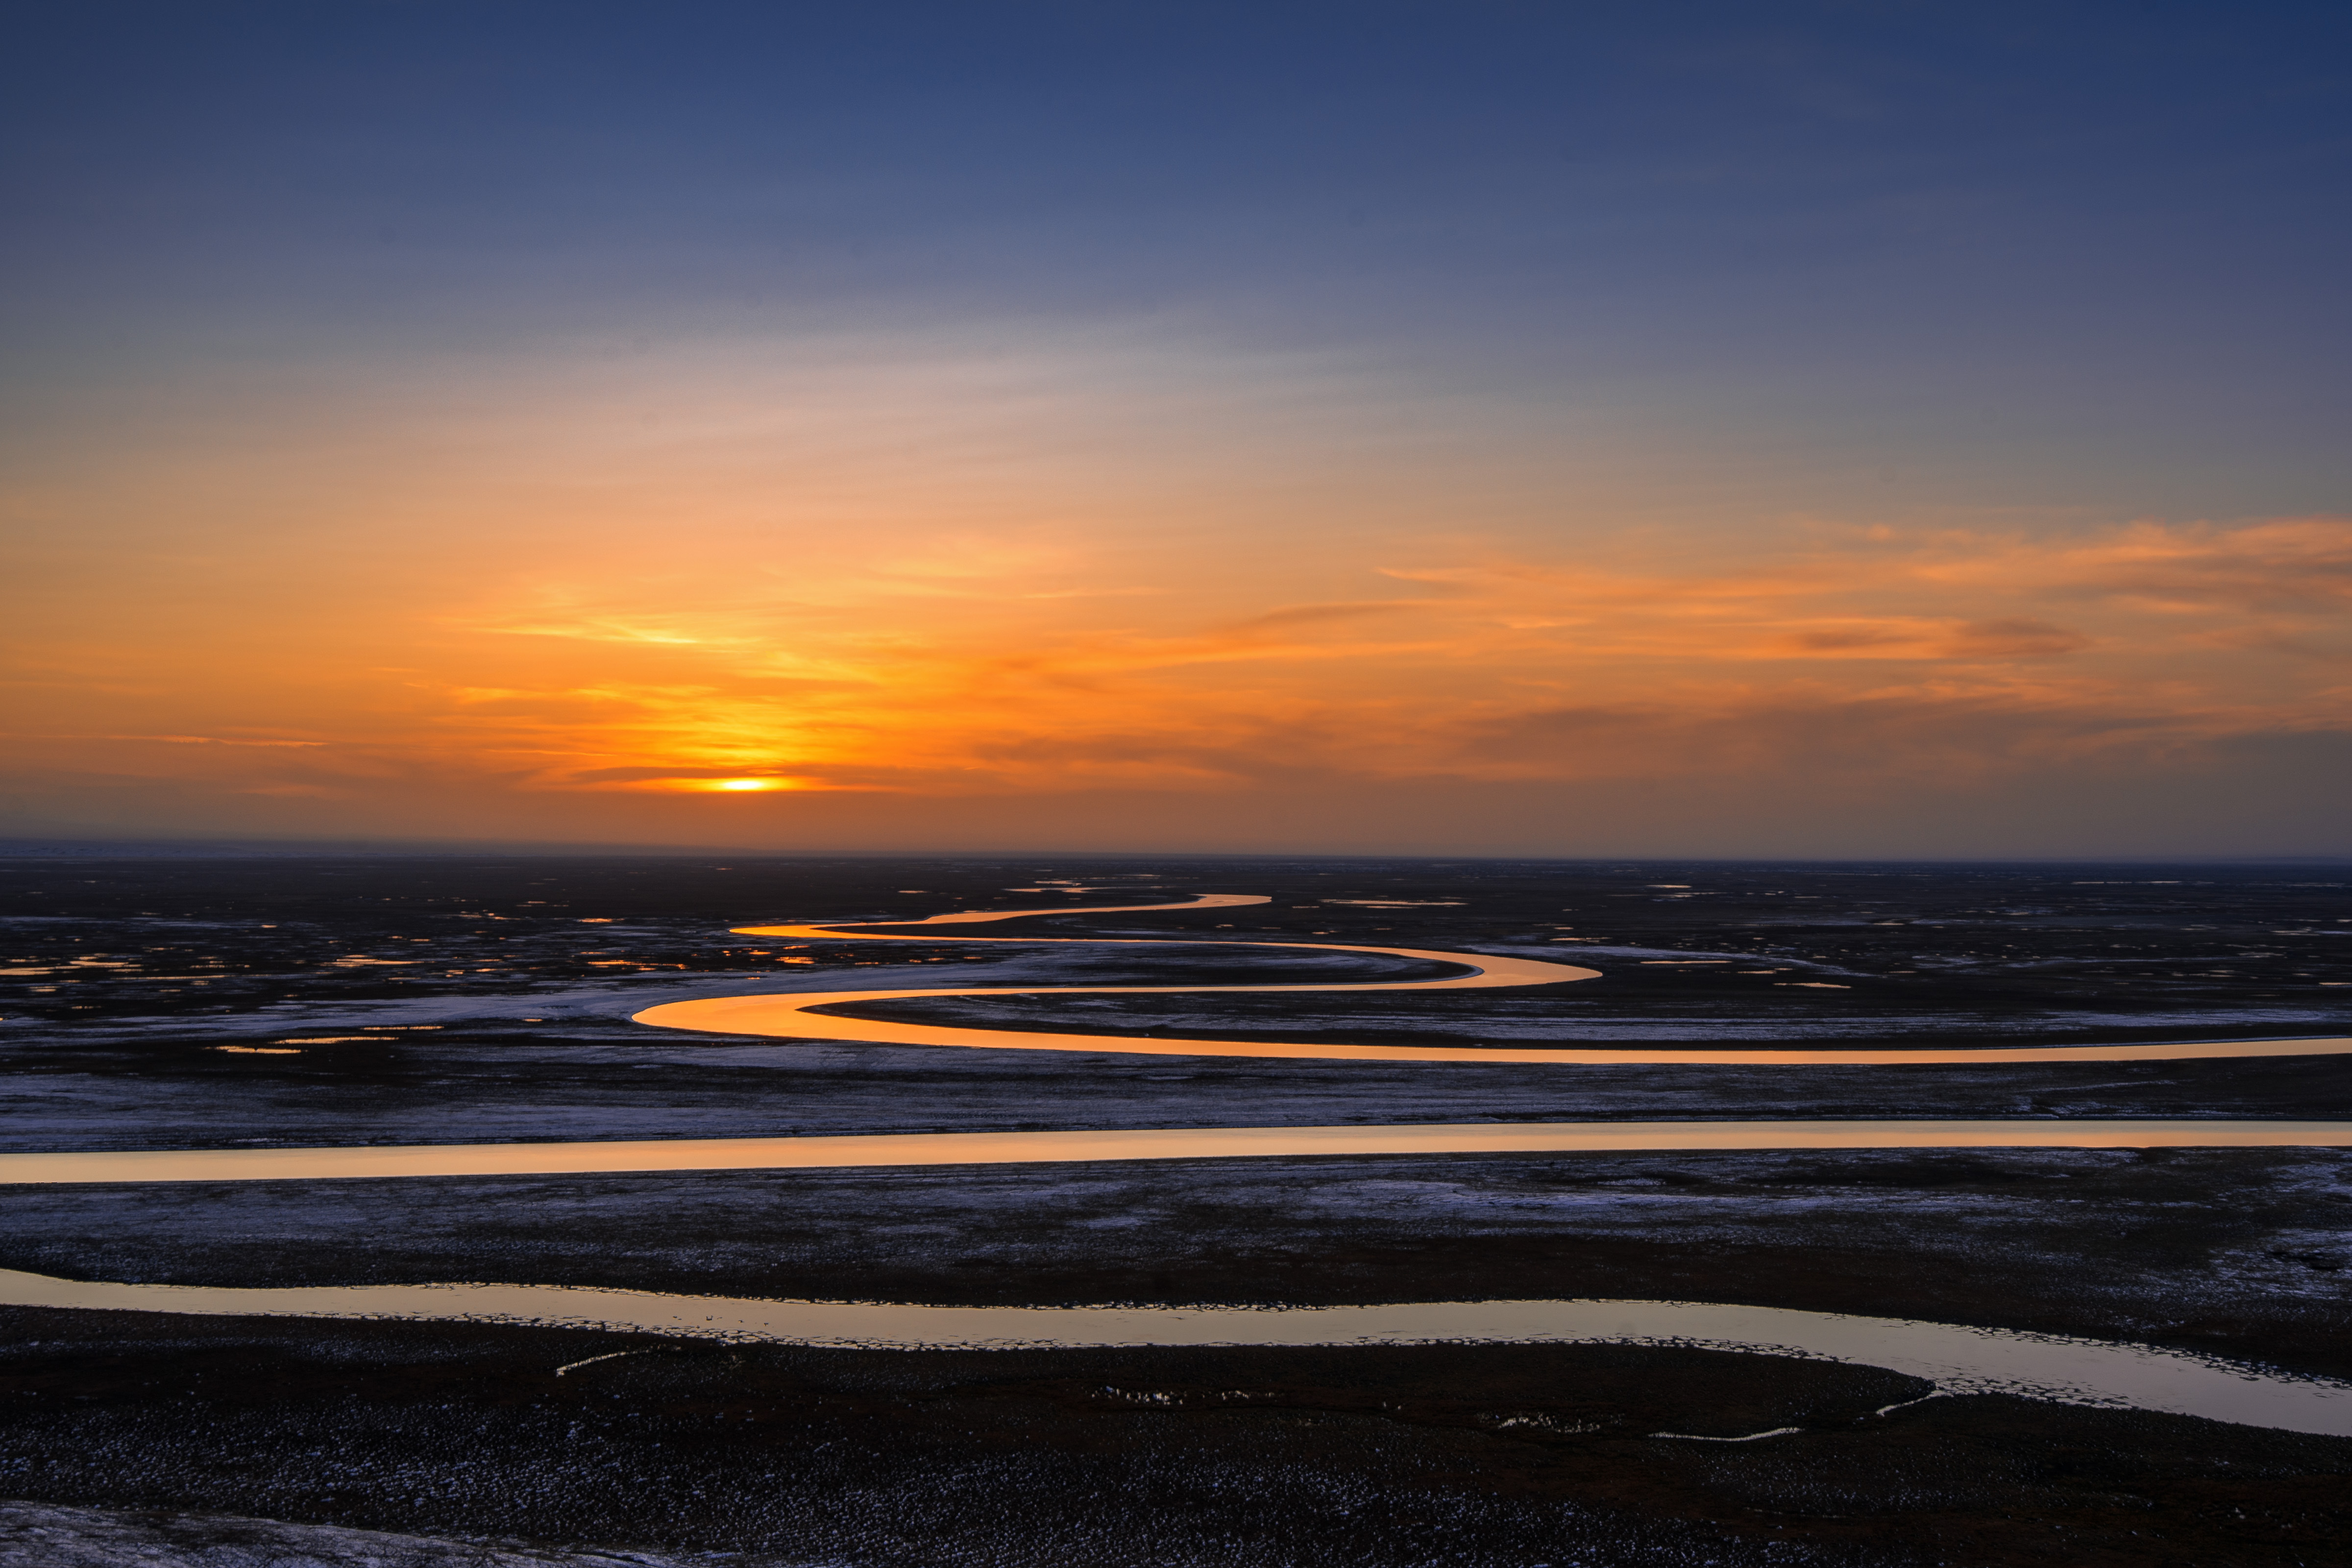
[1269,527]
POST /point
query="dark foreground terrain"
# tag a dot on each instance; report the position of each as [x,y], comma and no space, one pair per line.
[251,1003]
[1437,1454]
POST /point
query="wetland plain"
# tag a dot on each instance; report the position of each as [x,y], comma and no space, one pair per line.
[262,1003]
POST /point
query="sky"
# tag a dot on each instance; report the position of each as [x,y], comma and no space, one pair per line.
[1840,430]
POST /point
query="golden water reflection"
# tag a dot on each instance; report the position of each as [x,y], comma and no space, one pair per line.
[792,1014]
[855,1151]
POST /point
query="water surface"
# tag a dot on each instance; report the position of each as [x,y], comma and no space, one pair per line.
[1956,1358]
[860,1150]
[792,1013]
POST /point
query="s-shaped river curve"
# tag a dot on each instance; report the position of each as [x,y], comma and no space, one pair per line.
[792,1013]
[1956,1358]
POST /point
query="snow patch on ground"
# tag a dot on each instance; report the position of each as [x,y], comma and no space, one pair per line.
[52,1537]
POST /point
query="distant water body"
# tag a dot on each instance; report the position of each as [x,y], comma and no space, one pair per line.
[789,1015]
[1954,1358]
[793,1014]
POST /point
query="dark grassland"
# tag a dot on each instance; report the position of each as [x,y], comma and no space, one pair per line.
[485,1000]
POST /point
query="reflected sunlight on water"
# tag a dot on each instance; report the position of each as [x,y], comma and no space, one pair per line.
[790,1015]
[882,1149]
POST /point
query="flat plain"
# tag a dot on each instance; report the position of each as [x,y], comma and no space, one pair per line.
[256,1002]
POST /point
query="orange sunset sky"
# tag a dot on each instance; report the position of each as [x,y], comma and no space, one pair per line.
[1254,449]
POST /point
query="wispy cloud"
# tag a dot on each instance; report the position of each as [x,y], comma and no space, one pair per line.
[1893,653]
[1852,655]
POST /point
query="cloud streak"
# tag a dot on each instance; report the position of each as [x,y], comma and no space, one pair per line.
[1878,653]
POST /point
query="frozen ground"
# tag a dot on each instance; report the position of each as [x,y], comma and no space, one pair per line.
[33,1535]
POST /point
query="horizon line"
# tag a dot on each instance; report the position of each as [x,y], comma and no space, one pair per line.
[34,848]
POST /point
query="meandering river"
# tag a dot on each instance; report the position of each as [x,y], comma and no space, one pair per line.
[1956,1359]
[796,1013]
